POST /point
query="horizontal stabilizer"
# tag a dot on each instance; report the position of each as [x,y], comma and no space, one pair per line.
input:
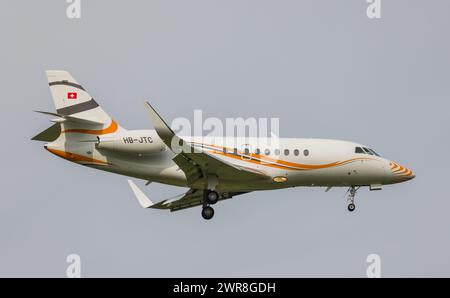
[50,134]
[66,118]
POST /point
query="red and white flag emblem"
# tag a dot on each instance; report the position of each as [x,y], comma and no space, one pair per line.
[71,95]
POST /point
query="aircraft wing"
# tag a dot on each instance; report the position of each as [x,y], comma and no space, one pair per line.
[201,163]
[196,162]
[192,198]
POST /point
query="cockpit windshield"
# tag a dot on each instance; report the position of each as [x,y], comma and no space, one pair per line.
[364,150]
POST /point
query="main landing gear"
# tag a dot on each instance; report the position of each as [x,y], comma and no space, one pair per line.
[351,197]
[210,197]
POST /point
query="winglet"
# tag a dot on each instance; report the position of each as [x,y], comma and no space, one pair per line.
[144,201]
[162,129]
[174,142]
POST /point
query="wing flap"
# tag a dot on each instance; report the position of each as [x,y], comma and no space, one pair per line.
[193,197]
[192,171]
[190,199]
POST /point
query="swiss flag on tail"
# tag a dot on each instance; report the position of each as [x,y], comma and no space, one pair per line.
[71,95]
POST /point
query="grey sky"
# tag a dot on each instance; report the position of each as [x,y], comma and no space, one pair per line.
[322,67]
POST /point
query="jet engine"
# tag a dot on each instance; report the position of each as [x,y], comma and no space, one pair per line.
[141,144]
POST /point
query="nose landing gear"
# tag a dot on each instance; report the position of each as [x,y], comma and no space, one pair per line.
[351,197]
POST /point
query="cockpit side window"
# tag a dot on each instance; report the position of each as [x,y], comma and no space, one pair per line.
[359,150]
[367,150]
[371,150]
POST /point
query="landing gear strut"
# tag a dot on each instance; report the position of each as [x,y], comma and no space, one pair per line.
[210,197]
[351,198]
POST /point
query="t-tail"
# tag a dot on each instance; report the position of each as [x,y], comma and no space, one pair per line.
[78,119]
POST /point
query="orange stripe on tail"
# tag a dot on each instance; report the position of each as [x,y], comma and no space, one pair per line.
[110,129]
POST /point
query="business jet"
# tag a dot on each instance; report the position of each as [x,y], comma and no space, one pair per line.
[212,169]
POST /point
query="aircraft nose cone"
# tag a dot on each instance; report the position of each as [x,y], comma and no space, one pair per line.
[400,173]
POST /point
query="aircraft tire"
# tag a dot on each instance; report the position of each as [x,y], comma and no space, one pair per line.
[207,212]
[211,197]
[351,207]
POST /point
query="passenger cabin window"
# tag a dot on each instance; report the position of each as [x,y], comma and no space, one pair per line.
[286,152]
[246,151]
[306,152]
[296,152]
[267,152]
[258,151]
[277,152]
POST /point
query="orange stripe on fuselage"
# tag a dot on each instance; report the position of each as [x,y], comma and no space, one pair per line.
[399,170]
[394,166]
[76,157]
[110,129]
[250,160]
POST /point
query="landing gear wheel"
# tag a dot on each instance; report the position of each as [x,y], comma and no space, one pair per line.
[351,207]
[207,212]
[211,197]
[351,197]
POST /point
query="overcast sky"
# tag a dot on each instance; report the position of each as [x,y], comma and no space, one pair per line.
[322,67]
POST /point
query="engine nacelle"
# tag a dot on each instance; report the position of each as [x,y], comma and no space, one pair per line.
[143,143]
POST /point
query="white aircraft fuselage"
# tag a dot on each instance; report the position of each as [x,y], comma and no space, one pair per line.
[327,163]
